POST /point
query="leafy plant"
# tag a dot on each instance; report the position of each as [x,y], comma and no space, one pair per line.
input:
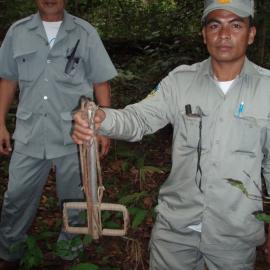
[138,215]
[71,248]
[32,254]
[259,215]
[133,198]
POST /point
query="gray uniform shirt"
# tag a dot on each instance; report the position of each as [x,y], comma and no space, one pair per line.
[47,94]
[235,144]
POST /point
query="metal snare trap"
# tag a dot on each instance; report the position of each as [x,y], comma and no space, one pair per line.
[93,187]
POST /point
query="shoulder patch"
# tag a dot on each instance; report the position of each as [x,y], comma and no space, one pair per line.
[153,92]
[261,70]
[24,20]
[84,24]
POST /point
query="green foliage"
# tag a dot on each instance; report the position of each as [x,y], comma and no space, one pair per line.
[124,19]
[69,248]
[111,220]
[238,184]
[138,215]
[136,159]
[261,216]
[148,169]
[87,240]
[33,255]
[133,198]
[13,10]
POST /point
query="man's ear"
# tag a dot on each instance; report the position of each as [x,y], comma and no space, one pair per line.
[252,34]
[203,33]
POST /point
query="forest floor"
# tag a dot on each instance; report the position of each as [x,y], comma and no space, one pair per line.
[132,173]
[121,178]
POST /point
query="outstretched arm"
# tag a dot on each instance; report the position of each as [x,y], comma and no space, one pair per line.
[134,121]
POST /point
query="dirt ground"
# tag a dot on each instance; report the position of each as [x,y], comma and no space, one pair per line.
[109,253]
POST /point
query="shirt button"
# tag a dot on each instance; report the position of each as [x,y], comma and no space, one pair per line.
[45,97]
[49,61]
[46,80]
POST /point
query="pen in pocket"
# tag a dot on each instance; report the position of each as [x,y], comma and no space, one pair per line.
[241,108]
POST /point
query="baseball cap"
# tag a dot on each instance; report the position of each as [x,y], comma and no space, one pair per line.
[242,8]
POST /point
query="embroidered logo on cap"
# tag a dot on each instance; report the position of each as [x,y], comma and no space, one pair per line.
[224,1]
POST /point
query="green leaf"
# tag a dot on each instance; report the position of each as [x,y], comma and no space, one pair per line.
[125,165]
[140,163]
[138,218]
[132,198]
[111,225]
[106,215]
[33,255]
[87,240]
[133,210]
[261,216]
[76,242]
[238,184]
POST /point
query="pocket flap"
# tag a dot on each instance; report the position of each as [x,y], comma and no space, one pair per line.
[20,54]
[195,111]
[258,113]
[22,114]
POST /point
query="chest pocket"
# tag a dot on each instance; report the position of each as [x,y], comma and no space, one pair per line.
[248,133]
[26,62]
[193,131]
[76,72]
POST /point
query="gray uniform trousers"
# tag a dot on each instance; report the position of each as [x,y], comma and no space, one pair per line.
[27,177]
[171,250]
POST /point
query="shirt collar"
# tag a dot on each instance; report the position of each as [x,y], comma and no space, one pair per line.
[248,68]
[68,21]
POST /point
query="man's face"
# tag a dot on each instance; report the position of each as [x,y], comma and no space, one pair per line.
[51,10]
[227,35]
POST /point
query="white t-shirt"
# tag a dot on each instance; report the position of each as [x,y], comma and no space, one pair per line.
[225,86]
[51,29]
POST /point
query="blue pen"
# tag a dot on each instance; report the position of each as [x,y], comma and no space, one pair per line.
[241,108]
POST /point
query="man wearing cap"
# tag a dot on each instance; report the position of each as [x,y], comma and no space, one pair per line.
[220,112]
[55,58]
